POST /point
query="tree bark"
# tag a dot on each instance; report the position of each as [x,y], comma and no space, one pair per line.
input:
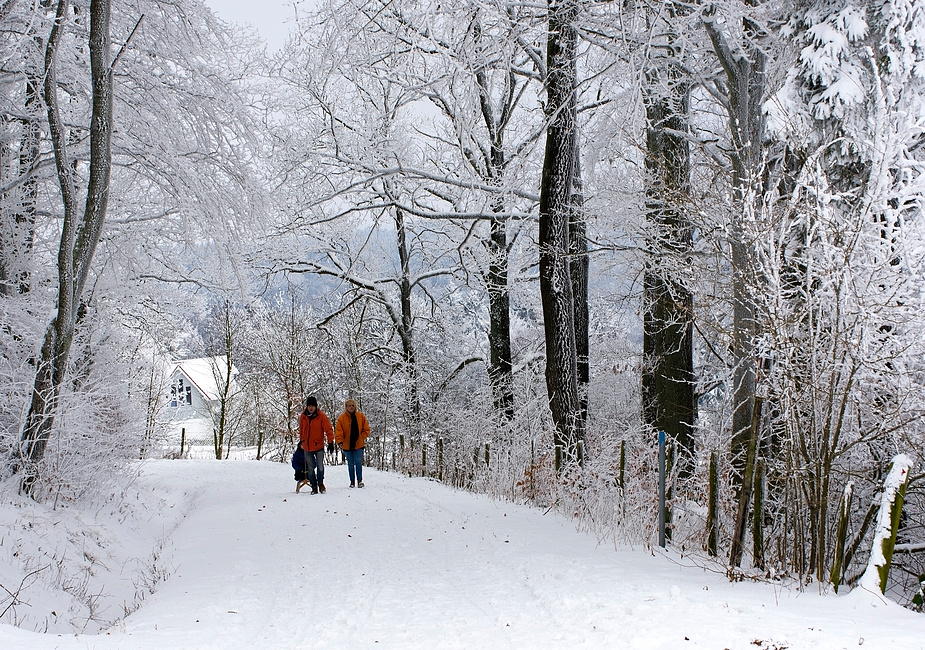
[738,535]
[499,314]
[578,269]
[555,210]
[841,533]
[669,403]
[495,119]
[712,506]
[406,330]
[891,504]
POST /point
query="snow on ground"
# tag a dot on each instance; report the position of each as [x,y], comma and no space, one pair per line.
[410,563]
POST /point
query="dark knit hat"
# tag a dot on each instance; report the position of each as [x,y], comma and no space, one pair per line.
[311,401]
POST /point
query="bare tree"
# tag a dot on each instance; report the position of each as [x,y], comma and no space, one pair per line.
[80,230]
[227,328]
[475,62]
[742,94]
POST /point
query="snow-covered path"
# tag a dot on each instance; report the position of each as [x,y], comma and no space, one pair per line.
[409,563]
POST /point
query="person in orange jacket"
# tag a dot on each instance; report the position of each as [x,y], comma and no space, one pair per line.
[314,427]
[350,433]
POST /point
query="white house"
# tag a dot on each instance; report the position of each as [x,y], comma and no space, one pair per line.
[194,391]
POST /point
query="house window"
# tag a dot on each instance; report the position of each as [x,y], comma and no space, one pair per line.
[181,393]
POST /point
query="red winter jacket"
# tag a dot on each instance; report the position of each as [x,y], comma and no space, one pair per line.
[312,432]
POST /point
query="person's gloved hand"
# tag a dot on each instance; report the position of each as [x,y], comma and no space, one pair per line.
[330,447]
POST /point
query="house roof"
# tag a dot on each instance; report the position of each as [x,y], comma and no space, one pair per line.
[204,374]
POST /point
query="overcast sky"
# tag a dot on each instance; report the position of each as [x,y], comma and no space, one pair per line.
[272,18]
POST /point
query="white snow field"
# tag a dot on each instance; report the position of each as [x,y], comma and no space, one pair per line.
[411,563]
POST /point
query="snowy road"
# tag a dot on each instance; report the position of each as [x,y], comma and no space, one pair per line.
[409,563]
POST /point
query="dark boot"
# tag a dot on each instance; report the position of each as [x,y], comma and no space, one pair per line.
[314,489]
[321,487]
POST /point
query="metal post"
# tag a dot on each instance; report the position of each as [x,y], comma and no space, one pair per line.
[661,489]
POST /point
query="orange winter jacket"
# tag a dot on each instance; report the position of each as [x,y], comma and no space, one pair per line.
[312,432]
[342,431]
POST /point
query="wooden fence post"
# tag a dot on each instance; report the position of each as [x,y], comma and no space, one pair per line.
[713,506]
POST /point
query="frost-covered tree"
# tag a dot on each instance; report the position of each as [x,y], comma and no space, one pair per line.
[842,260]
[480,73]
[178,179]
[738,48]
[22,157]
[556,186]
[81,226]
[668,402]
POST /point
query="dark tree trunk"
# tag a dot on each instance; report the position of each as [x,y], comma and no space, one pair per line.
[555,211]
[407,324]
[499,310]
[578,268]
[668,400]
[738,534]
[500,371]
[80,231]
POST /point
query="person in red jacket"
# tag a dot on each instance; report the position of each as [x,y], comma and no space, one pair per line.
[350,432]
[314,427]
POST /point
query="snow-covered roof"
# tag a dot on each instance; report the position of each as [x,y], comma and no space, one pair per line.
[204,373]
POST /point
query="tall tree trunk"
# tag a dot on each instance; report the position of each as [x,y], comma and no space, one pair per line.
[737,546]
[80,231]
[744,68]
[406,331]
[499,312]
[578,269]
[500,371]
[555,210]
[669,403]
